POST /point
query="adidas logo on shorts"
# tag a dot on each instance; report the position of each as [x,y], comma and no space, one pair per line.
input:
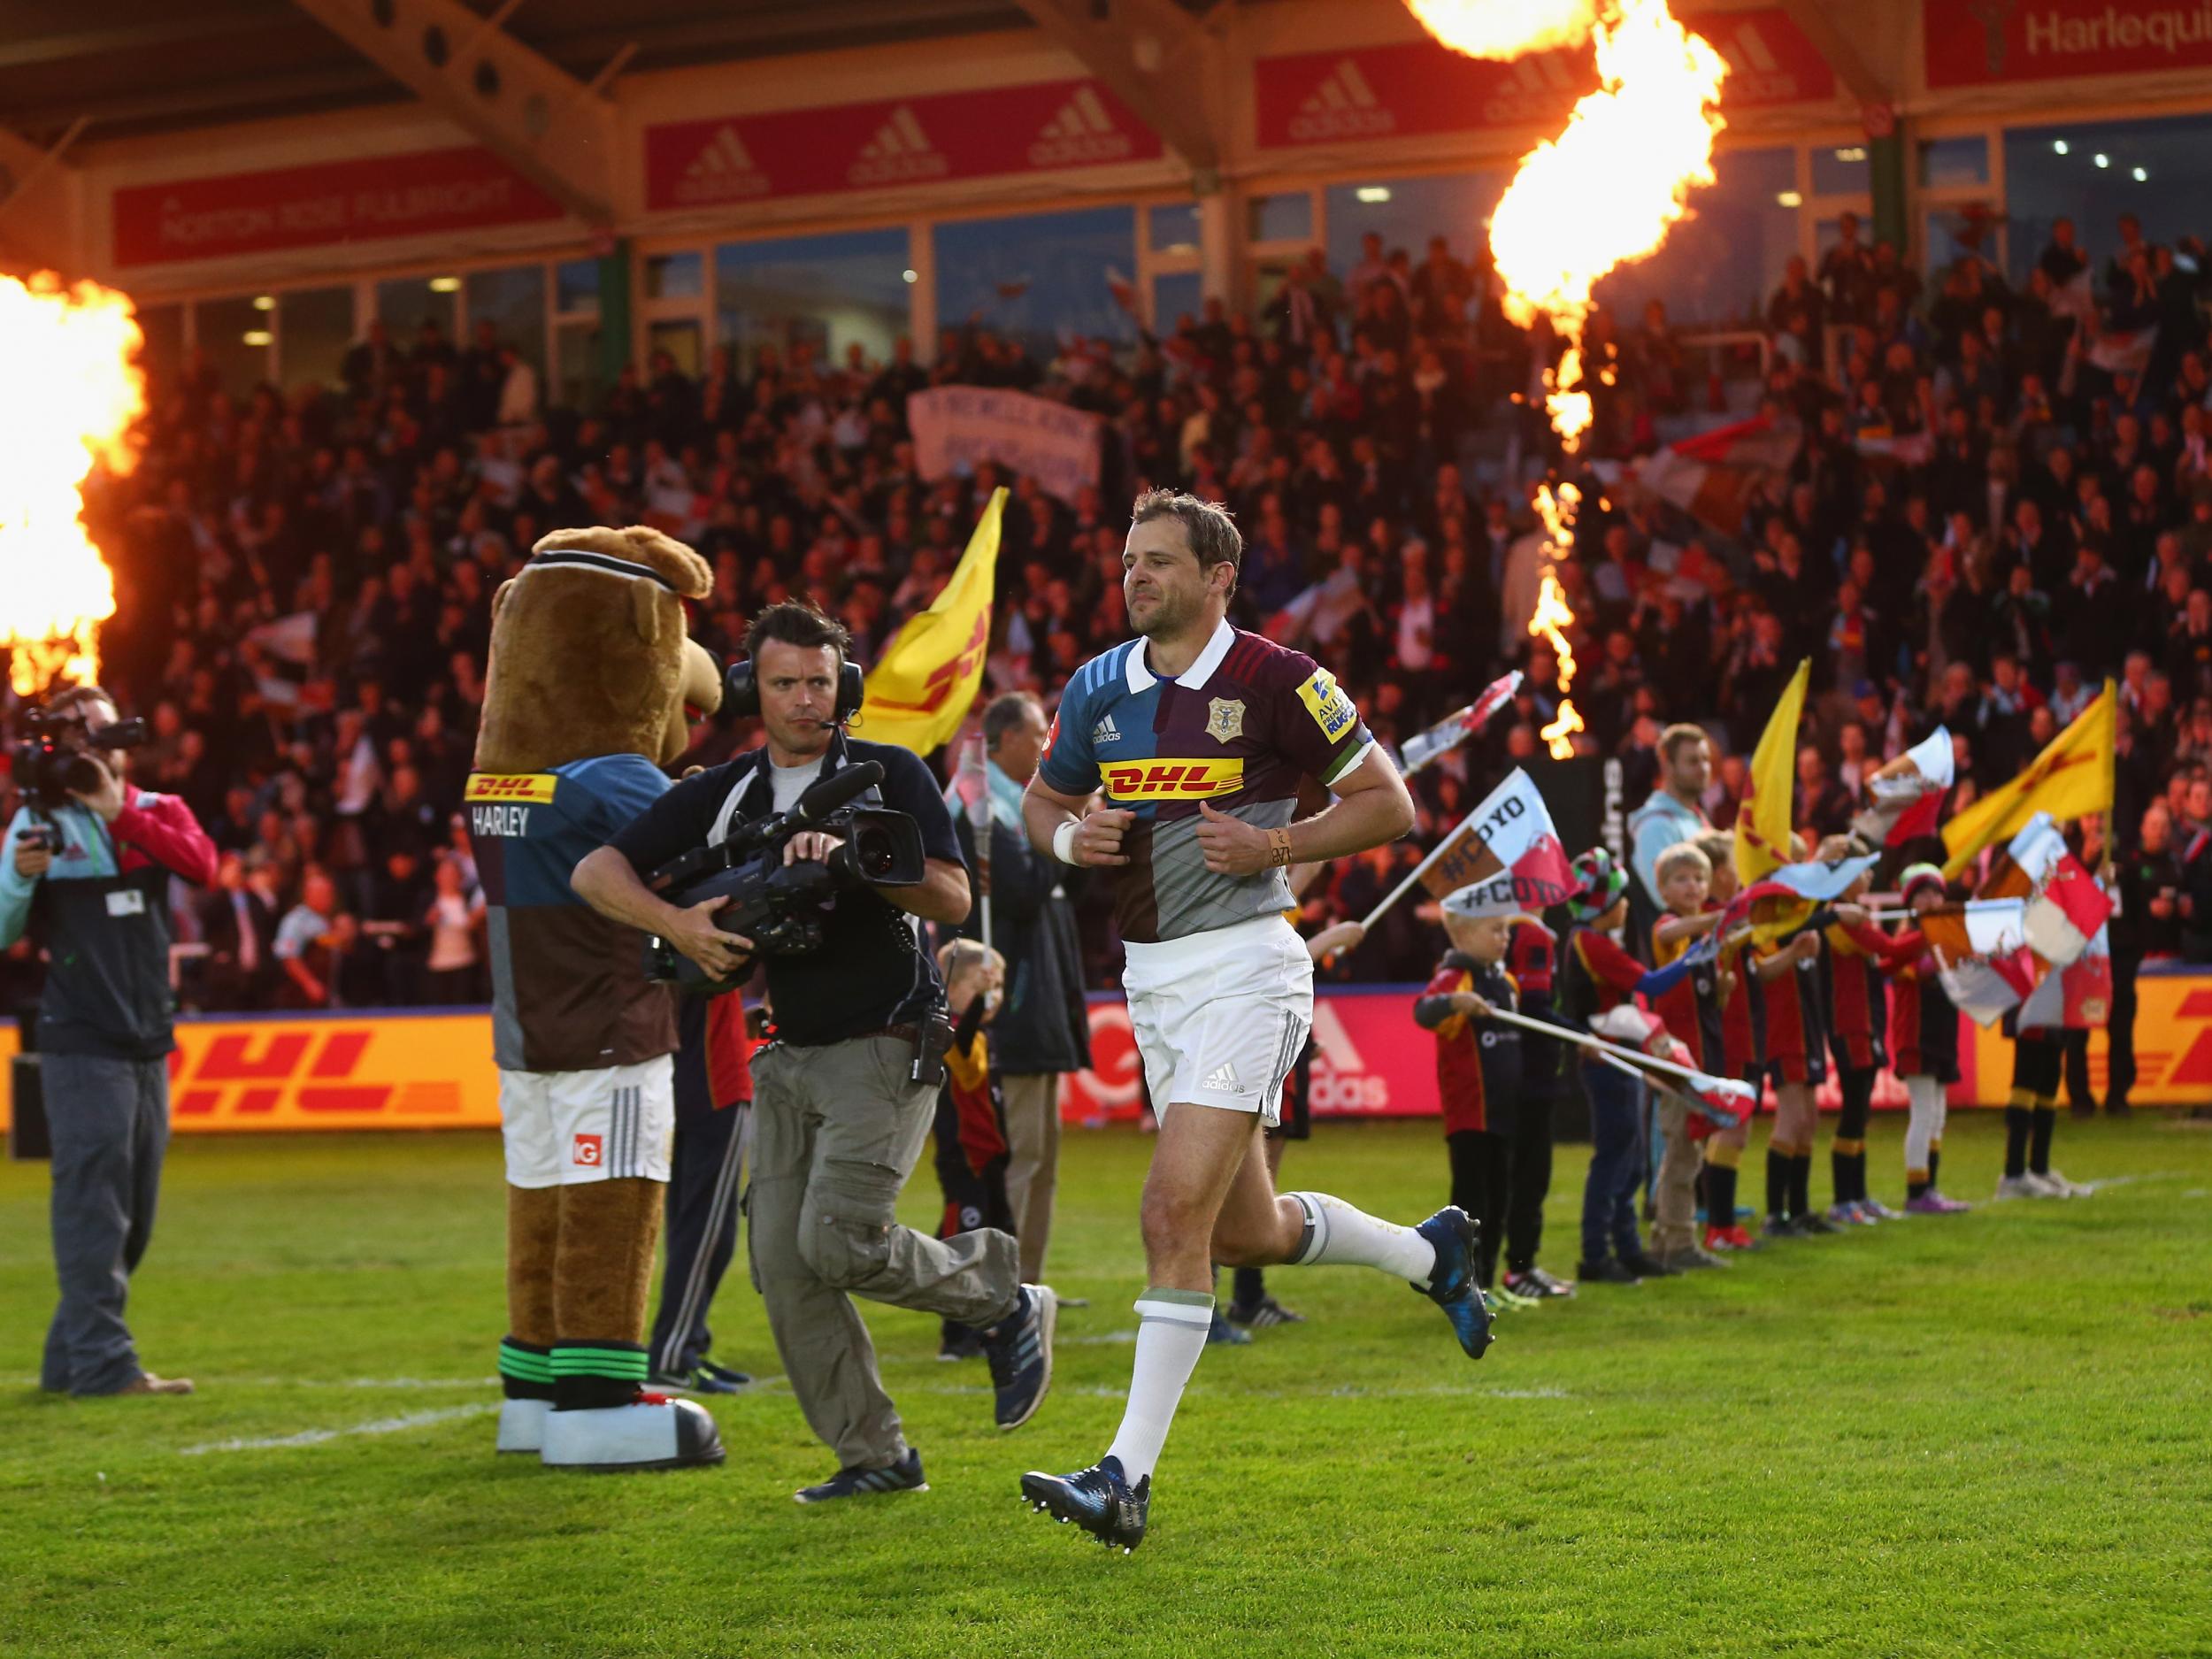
[1105,731]
[1223,1077]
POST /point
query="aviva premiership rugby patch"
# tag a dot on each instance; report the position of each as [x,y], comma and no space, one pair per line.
[1325,701]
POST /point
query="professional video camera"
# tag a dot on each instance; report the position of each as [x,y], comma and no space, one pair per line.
[780,907]
[52,762]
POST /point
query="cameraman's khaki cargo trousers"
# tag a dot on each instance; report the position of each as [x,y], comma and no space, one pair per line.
[837,1130]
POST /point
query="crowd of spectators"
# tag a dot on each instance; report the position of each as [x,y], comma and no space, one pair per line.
[1999,496]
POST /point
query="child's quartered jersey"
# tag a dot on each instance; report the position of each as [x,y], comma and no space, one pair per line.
[1239,728]
[1858,959]
[1924,1021]
[1692,1006]
[1478,1061]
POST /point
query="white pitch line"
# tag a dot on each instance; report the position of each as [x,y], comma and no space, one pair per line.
[316,1437]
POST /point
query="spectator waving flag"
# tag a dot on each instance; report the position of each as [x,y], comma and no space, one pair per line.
[1762,818]
[2073,776]
[920,691]
[1426,749]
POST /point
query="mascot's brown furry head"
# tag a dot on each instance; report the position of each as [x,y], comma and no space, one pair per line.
[590,653]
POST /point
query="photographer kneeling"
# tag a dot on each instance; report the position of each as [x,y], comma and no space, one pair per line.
[846,1090]
[86,870]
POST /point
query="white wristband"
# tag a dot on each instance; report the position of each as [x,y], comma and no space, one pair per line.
[1063,841]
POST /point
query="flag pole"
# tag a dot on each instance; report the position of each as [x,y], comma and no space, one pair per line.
[1649,1062]
[1419,870]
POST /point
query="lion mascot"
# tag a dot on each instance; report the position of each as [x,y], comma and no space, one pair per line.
[591,671]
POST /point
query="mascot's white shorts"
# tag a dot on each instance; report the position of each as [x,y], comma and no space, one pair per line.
[569,1128]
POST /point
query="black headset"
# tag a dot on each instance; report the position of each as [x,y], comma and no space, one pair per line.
[742,697]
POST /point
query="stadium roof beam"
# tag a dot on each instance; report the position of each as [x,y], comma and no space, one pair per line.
[535,116]
[1155,57]
[1822,27]
[24,166]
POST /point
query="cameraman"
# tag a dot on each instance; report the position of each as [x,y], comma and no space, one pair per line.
[86,872]
[845,1092]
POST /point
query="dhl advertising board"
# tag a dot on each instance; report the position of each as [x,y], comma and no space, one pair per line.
[346,1071]
[434,1070]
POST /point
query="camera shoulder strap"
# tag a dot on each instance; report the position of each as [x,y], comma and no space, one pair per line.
[746,784]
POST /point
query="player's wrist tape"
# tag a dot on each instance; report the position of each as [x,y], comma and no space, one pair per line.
[1063,841]
[1279,848]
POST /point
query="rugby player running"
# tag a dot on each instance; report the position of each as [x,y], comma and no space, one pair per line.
[1198,734]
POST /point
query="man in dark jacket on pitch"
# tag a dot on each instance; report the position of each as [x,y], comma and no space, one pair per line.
[1043,1029]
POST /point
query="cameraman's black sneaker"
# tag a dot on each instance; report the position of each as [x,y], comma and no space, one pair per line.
[903,1476]
[1019,1348]
[1098,1500]
[1452,1285]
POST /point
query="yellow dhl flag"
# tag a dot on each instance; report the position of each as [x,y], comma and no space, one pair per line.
[1762,818]
[921,690]
[2070,778]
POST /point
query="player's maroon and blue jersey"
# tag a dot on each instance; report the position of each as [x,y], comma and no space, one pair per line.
[1240,727]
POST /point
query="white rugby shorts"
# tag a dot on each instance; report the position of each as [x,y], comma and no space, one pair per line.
[1220,1017]
[572,1128]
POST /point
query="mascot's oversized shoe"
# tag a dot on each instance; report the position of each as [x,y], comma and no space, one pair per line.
[652,1431]
[522,1424]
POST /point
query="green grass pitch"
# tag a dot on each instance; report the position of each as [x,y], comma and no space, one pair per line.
[1990,1434]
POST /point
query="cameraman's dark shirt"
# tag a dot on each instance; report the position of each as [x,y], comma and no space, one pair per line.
[870,973]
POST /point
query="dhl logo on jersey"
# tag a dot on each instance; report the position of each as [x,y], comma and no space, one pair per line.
[1174,779]
[511,785]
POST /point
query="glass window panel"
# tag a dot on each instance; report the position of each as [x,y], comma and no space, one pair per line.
[1175,296]
[233,335]
[1172,229]
[162,353]
[406,303]
[828,294]
[681,341]
[1406,213]
[513,303]
[1841,170]
[1038,276]
[2043,184]
[576,287]
[1287,218]
[577,383]
[314,332]
[1720,263]
[1954,161]
[675,276]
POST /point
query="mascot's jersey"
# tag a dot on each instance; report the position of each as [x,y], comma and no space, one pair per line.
[569,992]
[1239,728]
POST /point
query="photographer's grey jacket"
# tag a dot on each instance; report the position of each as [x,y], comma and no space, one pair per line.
[101,914]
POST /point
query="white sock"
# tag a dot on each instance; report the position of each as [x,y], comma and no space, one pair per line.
[1925,1119]
[1172,1327]
[1338,1235]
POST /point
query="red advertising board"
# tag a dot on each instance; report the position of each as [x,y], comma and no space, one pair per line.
[376,198]
[1043,126]
[1420,88]
[1985,43]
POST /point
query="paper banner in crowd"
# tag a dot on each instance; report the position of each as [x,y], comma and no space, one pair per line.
[1782,900]
[1427,747]
[1762,817]
[1907,793]
[1906,448]
[921,688]
[2124,352]
[2071,777]
[956,426]
[283,680]
[1713,476]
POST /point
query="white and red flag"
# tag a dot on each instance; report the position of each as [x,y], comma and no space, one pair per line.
[1427,747]
[1507,851]
[1908,793]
